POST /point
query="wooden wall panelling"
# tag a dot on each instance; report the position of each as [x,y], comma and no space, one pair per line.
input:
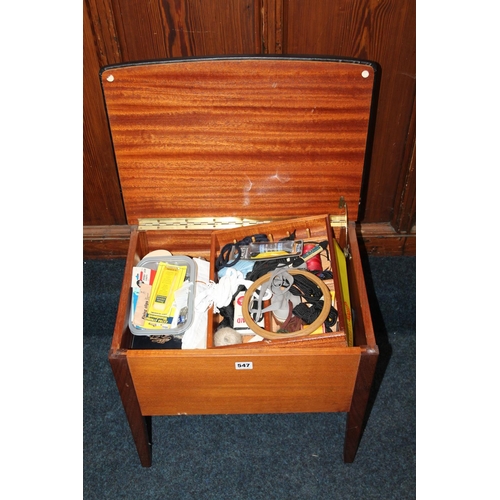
[109,241]
[384,31]
[404,218]
[272,26]
[132,30]
[381,31]
[102,202]
[161,29]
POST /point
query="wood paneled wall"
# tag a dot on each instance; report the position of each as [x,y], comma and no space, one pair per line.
[117,31]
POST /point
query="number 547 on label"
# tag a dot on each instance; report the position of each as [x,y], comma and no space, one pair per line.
[243,365]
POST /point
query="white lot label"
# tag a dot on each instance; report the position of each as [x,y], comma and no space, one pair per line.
[243,365]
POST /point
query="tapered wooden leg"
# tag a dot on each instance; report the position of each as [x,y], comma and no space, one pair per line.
[356,418]
[139,425]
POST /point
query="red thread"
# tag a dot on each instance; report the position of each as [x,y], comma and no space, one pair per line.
[314,263]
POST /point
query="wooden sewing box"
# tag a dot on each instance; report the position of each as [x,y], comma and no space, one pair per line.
[213,149]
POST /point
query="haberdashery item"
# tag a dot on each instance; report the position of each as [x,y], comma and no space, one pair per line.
[307,313]
[271,250]
[227,336]
[195,337]
[221,294]
[180,306]
[141,307]
[323,289]
[287,292]
[283,313]
[291,323]
[161,311]
[313,263]
[316,250]
[169,278]
[141,275]
[279,285]
[283,297]
[165,317]
[231,253]
[331,324]
[227,312]
[310,307]
[262,267]
[344,291]
[158,253]
[244,266]
[239,322]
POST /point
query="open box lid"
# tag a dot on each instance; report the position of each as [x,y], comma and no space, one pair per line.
[254,137]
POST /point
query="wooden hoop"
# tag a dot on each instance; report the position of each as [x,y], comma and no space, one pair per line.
[327,298]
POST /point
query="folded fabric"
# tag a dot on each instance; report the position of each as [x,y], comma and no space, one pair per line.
[220,294]
[195,337]
[243,266]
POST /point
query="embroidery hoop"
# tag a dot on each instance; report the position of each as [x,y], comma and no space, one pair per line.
[327,302]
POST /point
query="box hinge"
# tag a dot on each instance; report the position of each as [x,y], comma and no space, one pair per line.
[196,223]
[339,221]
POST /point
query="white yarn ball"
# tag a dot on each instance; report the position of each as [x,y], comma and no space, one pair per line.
[227,336]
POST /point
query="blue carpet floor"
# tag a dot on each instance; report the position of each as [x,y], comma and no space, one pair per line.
[283,457]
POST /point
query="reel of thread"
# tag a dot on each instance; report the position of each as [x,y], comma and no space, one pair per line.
[314,263]
[227,336]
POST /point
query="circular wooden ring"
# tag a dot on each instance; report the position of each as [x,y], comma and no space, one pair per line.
[327,299]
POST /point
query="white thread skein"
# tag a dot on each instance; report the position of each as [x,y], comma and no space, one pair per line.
[220,294]
[227,336]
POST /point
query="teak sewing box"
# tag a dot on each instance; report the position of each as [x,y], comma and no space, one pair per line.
[214,148]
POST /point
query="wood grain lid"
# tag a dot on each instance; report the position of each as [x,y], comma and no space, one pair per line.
[250,136]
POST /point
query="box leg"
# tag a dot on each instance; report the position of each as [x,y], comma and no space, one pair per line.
[139,425]
[356,417]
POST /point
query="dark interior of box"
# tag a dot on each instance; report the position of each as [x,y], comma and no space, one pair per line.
[312,229]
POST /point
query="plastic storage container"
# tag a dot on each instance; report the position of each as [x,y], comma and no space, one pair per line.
[176,260]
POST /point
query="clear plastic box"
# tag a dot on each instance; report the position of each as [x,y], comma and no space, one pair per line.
[176,260]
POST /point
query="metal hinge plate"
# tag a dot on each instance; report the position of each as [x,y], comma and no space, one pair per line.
[338,221]
[211,223]
[196,223]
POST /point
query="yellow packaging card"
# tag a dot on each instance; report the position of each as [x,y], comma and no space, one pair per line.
[344,290]
[168,279]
